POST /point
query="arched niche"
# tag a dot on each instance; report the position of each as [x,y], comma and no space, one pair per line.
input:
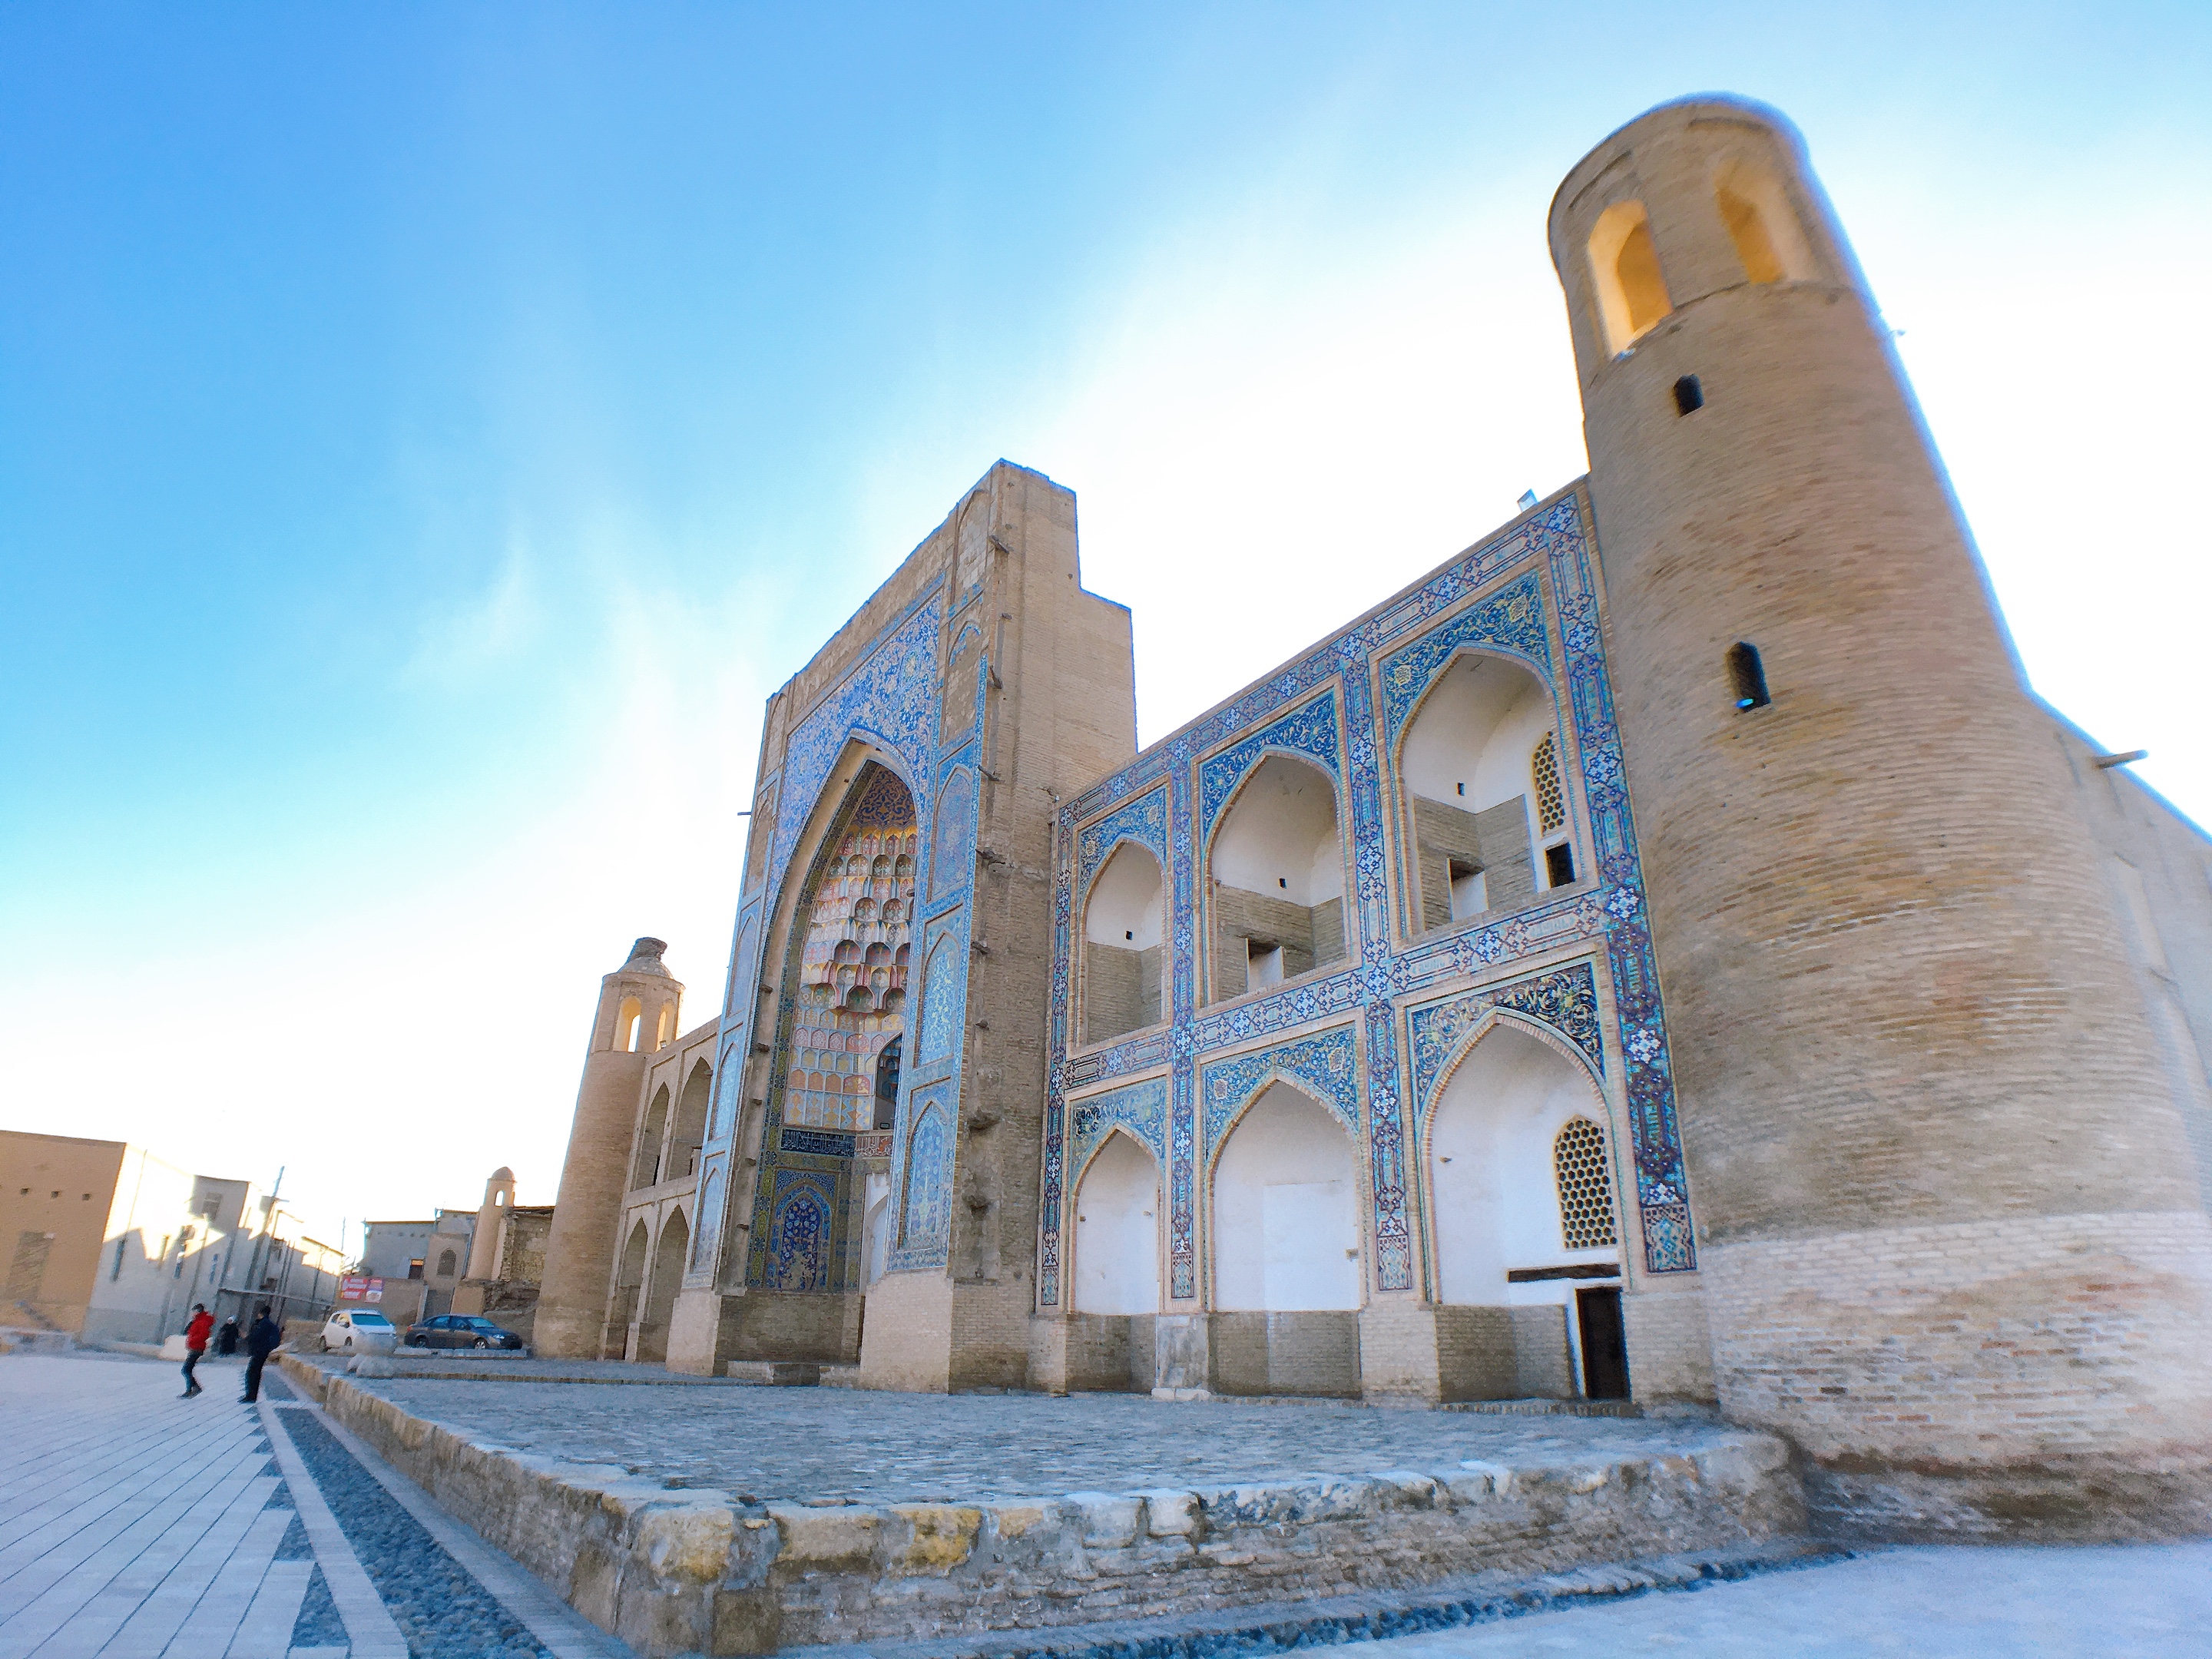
[852,938]
[1124,951]
[690,1122]
[1285,1232]
[1494,1155]
[1769,242]
[1116,1267]
[630,1279]
[645,1168]
[668,1257]
[1631,291]
[875,1226]
[926,1205]
[1482,792]
[1276,870]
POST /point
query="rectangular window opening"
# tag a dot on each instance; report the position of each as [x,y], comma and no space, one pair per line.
[1470,894]
[1263,964]
[1560,865]
[1747,675]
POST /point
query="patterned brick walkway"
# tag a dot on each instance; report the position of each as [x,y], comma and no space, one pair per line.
[134,1523]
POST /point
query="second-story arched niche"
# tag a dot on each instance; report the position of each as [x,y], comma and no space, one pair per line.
[1631,290]
[690,1123]
[1483,802]
[1769,240]
[1122,954]
[1277,874]
[645,1169]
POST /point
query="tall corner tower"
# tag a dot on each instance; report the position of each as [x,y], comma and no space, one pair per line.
[638,1012]
[1950,1237]
[491,1214]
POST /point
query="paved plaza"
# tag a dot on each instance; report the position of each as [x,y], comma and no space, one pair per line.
[2120,1602]
[134,1524]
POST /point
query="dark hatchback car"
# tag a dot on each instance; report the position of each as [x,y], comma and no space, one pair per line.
[460,1331]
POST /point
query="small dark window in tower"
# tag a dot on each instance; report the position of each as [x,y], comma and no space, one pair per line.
[1689,395]
[1560,864]
[1748,675]
[887,1082]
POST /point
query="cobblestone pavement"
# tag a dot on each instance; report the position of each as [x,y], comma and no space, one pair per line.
[134,1523]
[2145,1601]
[770,1444]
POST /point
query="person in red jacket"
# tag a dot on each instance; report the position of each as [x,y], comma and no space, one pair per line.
[196,1341]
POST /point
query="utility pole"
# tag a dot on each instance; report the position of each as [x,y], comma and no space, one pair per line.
[261,1243]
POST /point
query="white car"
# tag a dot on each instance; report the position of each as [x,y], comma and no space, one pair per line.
[356,1330]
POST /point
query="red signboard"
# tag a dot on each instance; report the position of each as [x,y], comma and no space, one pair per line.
[353,1287]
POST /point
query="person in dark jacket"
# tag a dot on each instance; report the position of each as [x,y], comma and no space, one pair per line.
[260,1342]
[225,1339]
[196,1341]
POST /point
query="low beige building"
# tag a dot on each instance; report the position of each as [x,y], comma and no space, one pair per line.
[112,1244]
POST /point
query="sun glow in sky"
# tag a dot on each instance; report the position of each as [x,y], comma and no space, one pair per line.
[426,434]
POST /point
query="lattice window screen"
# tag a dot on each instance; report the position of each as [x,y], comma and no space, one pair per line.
[1585,1186]
[1551,792]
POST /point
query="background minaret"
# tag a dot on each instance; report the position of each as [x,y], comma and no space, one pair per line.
[637,1013]
[1949,1228]
[498,1199]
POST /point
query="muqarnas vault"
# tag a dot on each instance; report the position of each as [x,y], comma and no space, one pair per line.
[1666,952]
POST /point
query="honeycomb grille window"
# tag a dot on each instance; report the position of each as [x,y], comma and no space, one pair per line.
[1585,1186]
[1551,794]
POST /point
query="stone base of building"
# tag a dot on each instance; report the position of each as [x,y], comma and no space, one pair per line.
[569,1332]
[2035,1376]
[689,1571]
[928,1332]
[708,1330]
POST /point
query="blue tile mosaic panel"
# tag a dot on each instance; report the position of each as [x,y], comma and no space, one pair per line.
[1564,999]
[925,1221]
[1325,1064]
[1142,1108]
[1308,733]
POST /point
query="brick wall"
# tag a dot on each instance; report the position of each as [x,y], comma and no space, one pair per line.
[1310,936]
[1120,990]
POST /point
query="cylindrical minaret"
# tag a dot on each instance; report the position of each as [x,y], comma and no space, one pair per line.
[1948,1231]
[484,1249]
[638,1002]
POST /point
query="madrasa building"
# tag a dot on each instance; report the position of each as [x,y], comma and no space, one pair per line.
[1666,952]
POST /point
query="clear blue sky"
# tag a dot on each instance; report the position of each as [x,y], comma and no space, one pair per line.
[426,434]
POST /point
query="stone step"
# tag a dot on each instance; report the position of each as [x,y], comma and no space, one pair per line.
[774,1373]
